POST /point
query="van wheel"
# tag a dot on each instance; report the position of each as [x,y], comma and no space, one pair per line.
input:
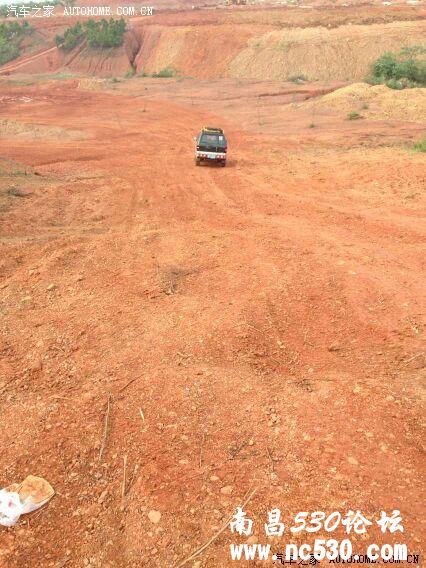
[197,162]
[223,164]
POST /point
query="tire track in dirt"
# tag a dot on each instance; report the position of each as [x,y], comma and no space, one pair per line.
[16,65]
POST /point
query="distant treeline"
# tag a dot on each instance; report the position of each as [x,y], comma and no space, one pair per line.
[98,33]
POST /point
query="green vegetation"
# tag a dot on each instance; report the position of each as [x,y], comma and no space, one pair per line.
[8,52]
[105,33]
[19,83]
[284,45]
[420,146]
[57,76]
[398,85]
[166,72]
[354,115]
[71,38]
[98,33]
[11,34]
[298,79]
[405,69]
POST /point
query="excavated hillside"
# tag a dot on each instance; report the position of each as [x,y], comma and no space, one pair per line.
[373,102]
[334,44]
[318,53]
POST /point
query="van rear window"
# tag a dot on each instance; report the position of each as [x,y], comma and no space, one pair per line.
[213,140]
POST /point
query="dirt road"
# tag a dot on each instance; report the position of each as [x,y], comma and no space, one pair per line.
[25,60]
[256,326]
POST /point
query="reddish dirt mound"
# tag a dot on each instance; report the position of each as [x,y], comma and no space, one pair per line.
[257,326]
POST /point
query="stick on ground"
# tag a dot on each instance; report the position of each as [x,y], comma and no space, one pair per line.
[106,427]
[123,486]
[128,384]
[271,459]
[215,536]
[412,358]
[201,450]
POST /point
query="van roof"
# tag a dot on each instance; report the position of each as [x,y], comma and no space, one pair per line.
[212,129]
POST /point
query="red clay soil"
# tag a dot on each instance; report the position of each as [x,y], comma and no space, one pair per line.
[254,326]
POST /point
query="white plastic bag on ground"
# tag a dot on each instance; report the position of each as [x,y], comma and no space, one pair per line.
[19,499]
[10,508]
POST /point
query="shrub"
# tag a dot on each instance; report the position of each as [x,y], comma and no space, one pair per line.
[99,34]
[105,33]
[384,67]
[166,72]
[11,35]
[13,31]
[71,38]
[395,84]
[8,52]
[354,115]
[401,70]
[420,146]
[297,79]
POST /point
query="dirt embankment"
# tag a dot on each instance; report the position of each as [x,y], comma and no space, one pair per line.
[16,129]
[252,51]
[320,54]
[375,102]
[343,53]
[81,60]
[256,44]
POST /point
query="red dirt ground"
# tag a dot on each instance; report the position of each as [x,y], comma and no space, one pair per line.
[266,319]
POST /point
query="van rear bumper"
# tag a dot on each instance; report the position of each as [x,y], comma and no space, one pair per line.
[210,156]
